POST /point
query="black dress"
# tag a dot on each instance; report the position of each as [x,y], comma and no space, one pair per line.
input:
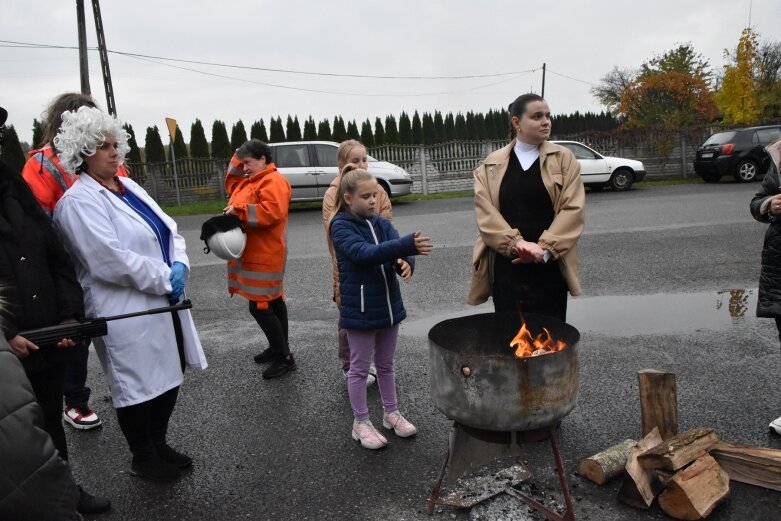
[525,204]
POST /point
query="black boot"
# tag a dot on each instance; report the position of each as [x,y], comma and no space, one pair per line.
[266,356]
[174,457]
[280,367]
[152,466]
[89,504]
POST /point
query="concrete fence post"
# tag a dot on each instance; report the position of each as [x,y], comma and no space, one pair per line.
[423,170]
[684,166]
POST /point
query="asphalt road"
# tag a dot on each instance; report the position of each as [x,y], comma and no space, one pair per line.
[669,277]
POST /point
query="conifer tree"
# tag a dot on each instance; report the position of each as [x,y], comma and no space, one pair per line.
[460,127]
[221,145]
[471,127]
[238,135]
[180,147]
[405,129]
[367,138]
[310,131]
[417,130]
[153,146]
[277,133]
[11,149]
[324,131]
[199,147]
[134,154]
[391,131]
[379,133]
[37,134]
[501,124]
[439,127]
[450,127]
[339,131]
[254,130]
[352,130]
[293,129]
[427,129]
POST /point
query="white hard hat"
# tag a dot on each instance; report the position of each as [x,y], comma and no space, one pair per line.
[228,245]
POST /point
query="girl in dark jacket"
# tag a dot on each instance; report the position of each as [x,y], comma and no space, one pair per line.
[369,253]
[39,289]
[766,208]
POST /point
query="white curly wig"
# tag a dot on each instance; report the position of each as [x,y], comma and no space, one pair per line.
[82,131]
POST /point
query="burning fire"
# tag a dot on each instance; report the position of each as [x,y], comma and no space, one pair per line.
[542,344]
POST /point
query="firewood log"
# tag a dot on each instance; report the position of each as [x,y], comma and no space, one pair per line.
[758,466]
[658,402]
[680,450]
[694,492]
[639,487]
[606,465]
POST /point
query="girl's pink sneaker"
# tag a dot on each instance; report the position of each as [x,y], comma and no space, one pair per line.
[394,420]
[365,432]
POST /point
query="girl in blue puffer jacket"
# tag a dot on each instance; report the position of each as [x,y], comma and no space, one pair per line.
[369,253]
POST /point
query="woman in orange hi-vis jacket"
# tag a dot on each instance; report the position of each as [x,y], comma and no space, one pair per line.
[260,198]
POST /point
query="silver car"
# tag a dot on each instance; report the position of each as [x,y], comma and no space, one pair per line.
[310,166]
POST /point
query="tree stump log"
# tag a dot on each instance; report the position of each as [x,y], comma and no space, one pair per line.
[758,466]
[640,488]
[658,402]
[680,450]
[694,492]
[608,464]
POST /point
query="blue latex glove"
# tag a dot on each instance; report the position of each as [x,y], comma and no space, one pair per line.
[178,273]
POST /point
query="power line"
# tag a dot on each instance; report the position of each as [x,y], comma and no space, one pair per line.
[267,69]
[317,91]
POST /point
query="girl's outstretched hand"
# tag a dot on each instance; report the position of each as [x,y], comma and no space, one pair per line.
[423,244]
[405,269]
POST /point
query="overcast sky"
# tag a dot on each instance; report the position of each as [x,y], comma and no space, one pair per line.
[580,41]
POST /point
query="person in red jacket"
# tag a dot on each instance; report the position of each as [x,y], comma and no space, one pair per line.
[260,198]
[48,180]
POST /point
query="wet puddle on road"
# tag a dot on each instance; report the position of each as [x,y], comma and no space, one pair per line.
[627,315]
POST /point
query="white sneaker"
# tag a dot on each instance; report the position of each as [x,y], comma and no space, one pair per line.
[369,379]
[775,425]
[401,427]
[365,432]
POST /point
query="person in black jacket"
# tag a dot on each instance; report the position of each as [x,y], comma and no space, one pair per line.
[39,289]
[35,484]
[766,208]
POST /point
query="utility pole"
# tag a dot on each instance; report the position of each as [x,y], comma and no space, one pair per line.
[110,105]
[83,63]
[543,81]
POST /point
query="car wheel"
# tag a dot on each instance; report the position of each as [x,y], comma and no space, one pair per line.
[746,171]
[621,180]
[710,178]
[384,186]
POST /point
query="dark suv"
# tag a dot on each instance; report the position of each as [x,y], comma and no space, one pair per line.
[740,153]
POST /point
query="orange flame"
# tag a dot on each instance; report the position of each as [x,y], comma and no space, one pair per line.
[526,345]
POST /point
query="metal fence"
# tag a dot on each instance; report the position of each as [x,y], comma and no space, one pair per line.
[436,168]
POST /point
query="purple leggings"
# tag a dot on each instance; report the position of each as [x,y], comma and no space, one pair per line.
[381,345]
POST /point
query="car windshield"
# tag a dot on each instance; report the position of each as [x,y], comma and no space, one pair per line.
[719,139]
[370,159]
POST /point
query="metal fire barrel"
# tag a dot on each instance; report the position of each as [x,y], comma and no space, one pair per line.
[477,381]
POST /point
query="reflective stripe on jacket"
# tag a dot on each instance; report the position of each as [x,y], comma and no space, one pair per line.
[261,202]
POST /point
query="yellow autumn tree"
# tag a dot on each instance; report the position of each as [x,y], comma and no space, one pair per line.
[737,98]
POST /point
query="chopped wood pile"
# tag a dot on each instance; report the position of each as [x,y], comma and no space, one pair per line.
[689,473]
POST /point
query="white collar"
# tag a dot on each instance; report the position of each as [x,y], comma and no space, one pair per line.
[527,154]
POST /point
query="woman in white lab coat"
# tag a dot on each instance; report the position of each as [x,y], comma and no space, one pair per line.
[128,257]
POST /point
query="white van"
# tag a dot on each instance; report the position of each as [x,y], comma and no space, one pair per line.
[310,166]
